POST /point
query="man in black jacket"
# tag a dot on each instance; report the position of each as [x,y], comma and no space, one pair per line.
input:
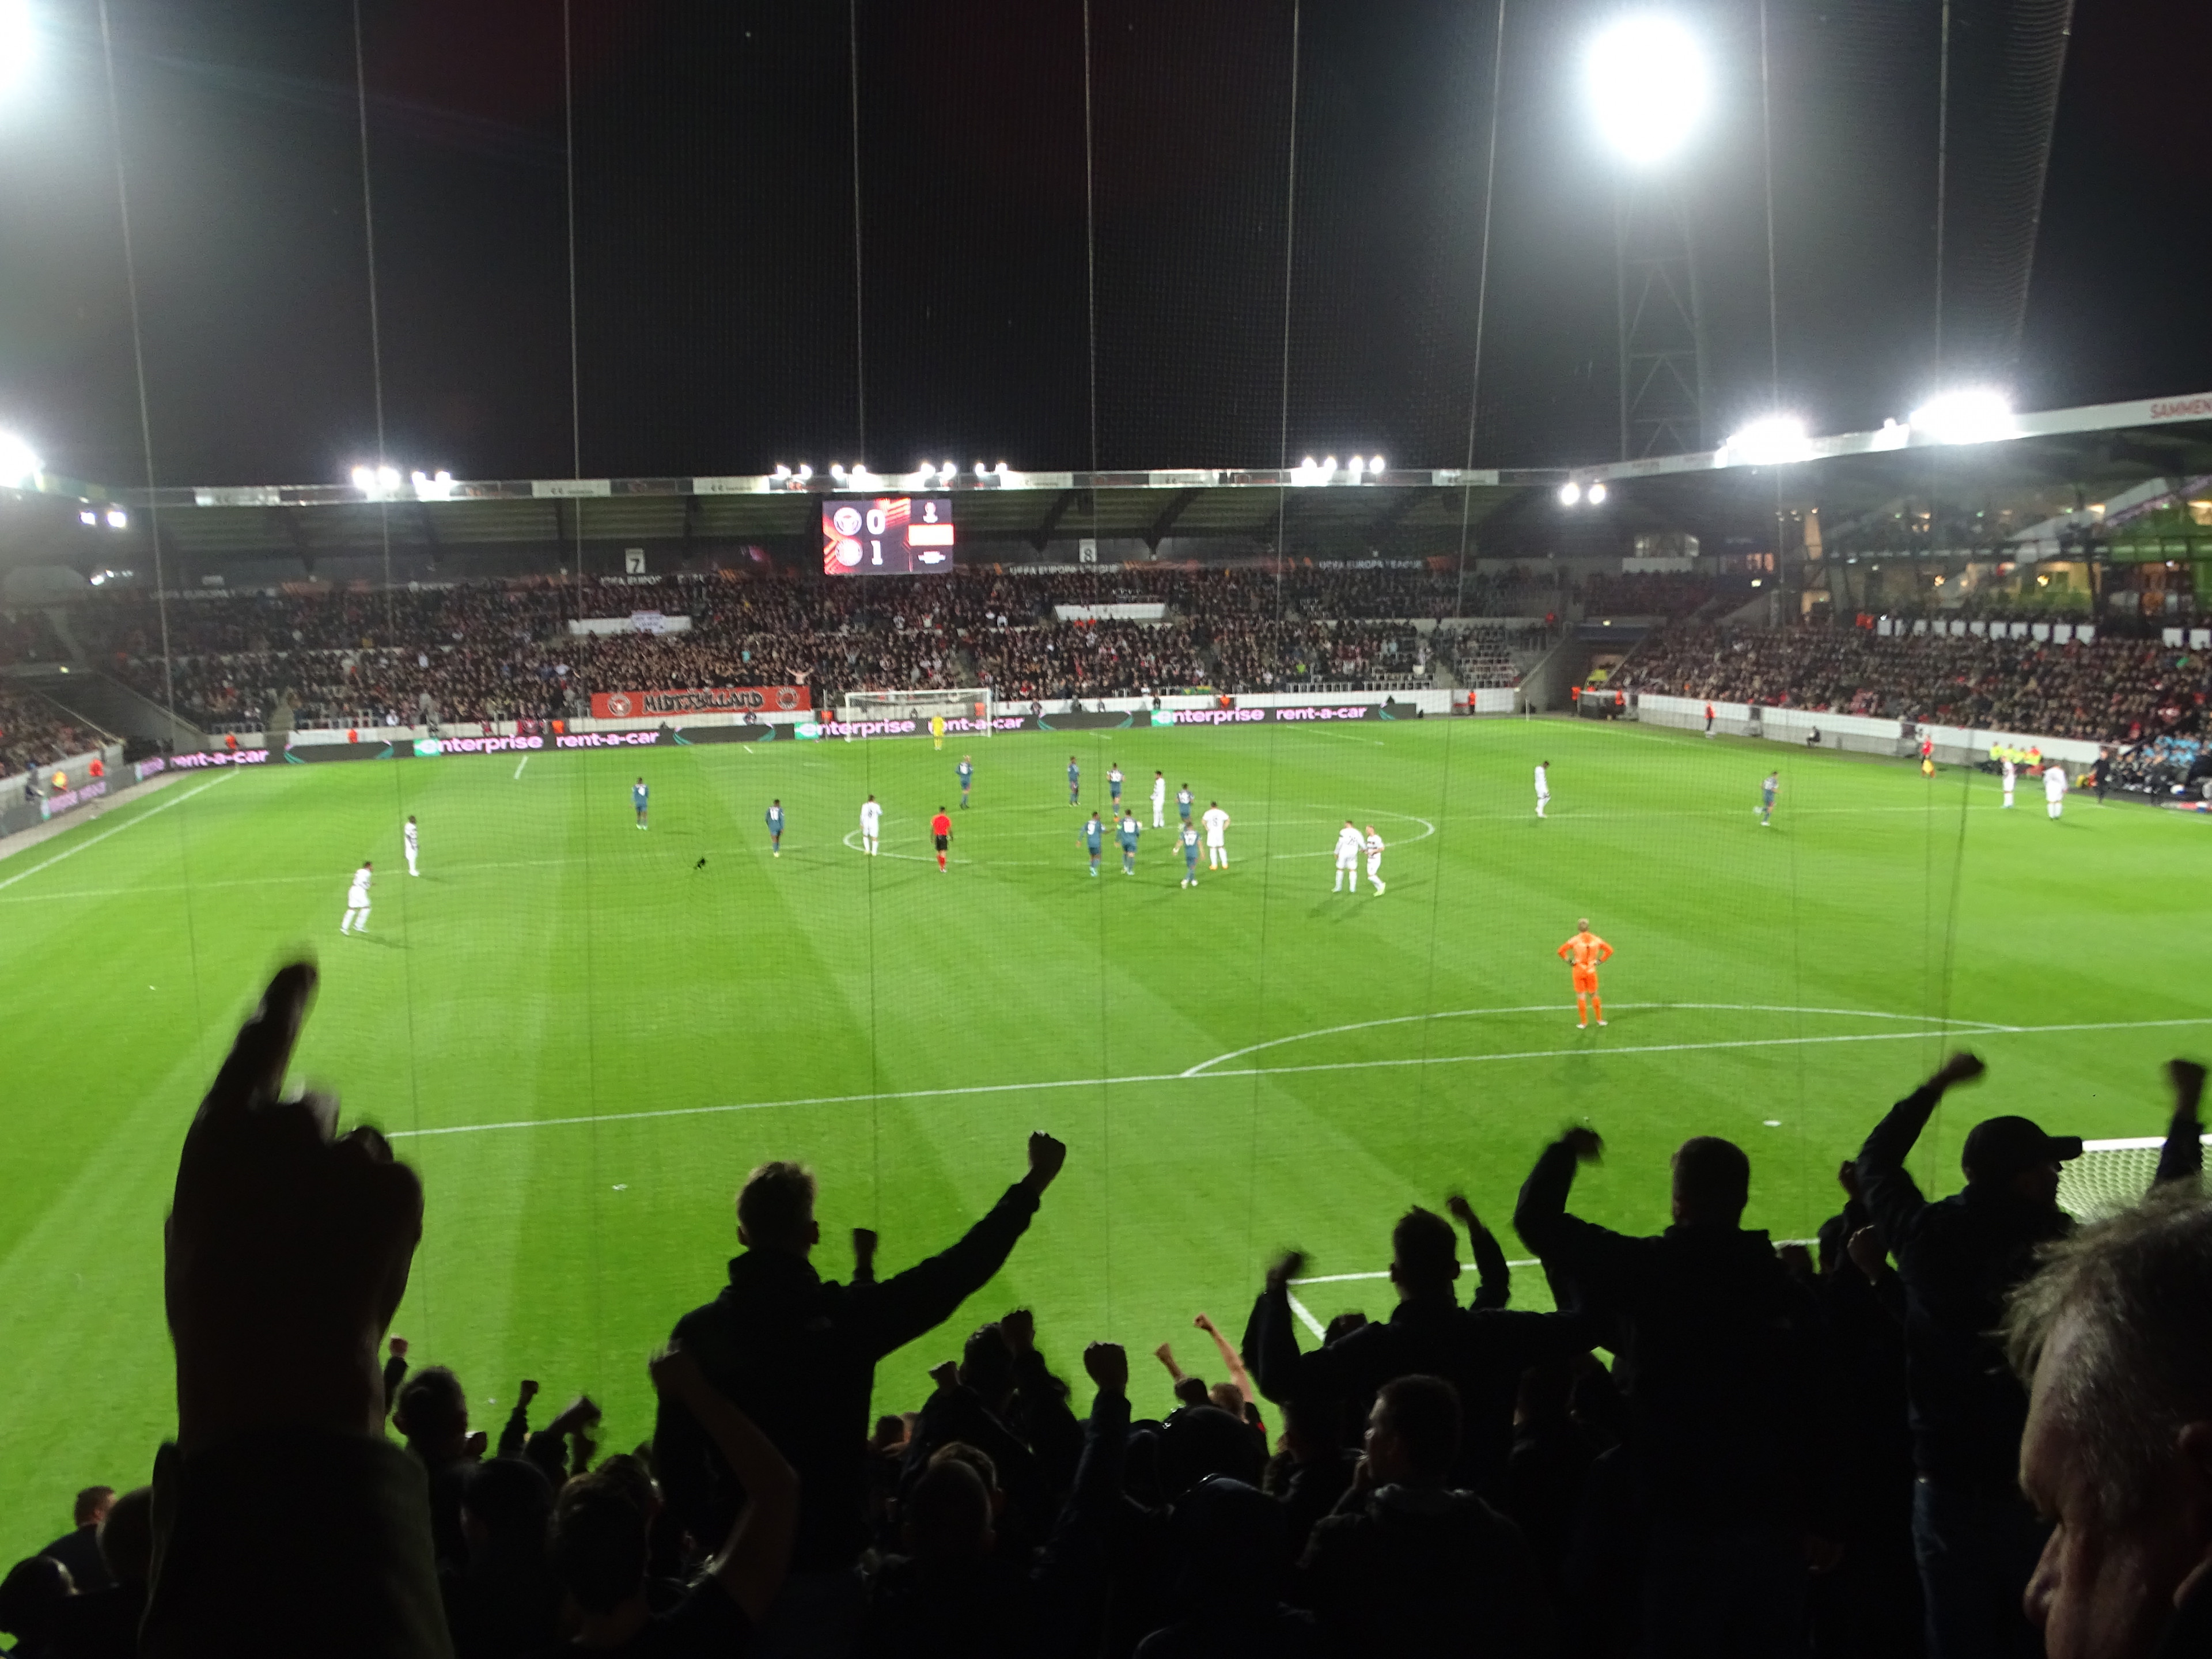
[1976,1538]
[797,1354]
[1480,1351]
[1728,1361]
[1960,1257]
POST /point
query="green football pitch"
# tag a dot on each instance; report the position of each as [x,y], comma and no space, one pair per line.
[584,1038]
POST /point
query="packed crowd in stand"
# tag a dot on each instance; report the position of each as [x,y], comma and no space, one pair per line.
[2108,689]
[1715,1446]
[491,652]
[35,733]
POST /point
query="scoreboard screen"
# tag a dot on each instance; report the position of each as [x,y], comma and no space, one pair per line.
[888,536]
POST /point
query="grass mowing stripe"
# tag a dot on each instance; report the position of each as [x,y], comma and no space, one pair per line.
[74,847]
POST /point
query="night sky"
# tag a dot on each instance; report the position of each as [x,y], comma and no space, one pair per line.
[713,256]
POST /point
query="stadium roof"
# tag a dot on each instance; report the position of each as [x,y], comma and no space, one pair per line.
[2057,482]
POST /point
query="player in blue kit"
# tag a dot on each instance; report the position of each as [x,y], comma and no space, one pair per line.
[1128,836]
[1188,836]
[966,770]
[776,827]
[1074,782]
[1094,837]
[1114,786]
[1183,802]
[637,800]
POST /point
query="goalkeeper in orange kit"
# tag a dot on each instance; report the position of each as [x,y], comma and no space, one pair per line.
[1583,953]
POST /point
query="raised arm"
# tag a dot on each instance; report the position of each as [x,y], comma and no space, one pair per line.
[287,1250]
[1892,1197]
[1271,1339]
[752,1560]
[1231,1359]
[2182,1158]
[908,1305]
[1493,1280]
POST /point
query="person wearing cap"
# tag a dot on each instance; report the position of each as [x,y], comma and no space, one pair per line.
[1976,1539]
[1960,1257]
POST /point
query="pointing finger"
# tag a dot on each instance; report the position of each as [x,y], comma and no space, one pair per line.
[253,1073]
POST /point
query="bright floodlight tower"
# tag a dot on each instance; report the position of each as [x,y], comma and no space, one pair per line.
[1649,85]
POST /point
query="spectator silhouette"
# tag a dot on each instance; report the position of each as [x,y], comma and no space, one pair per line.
[798,1353]
[1727,1474]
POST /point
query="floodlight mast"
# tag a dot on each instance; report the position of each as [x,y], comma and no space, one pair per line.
[1649,85]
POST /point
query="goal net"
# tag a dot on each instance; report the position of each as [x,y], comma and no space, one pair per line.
[962,708]
[2109,1176]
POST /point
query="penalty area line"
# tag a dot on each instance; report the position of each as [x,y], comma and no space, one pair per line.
[1263,1071]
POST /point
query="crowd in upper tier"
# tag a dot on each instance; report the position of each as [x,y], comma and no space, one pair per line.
[2110,689]
[488,652]
[1698,1444]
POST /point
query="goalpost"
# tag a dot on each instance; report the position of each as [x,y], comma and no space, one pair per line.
[964,708]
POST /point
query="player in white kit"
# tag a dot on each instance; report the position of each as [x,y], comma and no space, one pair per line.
[871,826]
[1348,859]
[1159,801]
[2011,777]
[1375,860]
[1216,823]
[2054,787]
[407,837]
[357,914]
[1543,786]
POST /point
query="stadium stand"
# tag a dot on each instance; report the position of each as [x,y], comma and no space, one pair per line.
[1459,1477]
[2108,689]
[34,733]
[504,651]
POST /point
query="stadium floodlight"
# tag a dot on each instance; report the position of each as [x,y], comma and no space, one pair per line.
[1358,465]
[944,473]
[19,40]
[20,465]
[782,471]
[86,515]
[1769,442]
[1596,495]
[1002,469]
[1374,466]
[432,486]
[982,471]
[117,518]
[804,472]
[1972,415]
[98,578]
[1569,493]
[376,481]
[1649,85]
[837,470]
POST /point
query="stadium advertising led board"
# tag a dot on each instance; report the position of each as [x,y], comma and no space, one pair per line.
[888,536]
[721,700]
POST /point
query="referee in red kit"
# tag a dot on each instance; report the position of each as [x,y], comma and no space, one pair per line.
[941,826]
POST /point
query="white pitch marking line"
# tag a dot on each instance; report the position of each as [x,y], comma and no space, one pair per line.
[1262,1070]
[74,848]
[520,764]
[1200,1069]
[1306,1319]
